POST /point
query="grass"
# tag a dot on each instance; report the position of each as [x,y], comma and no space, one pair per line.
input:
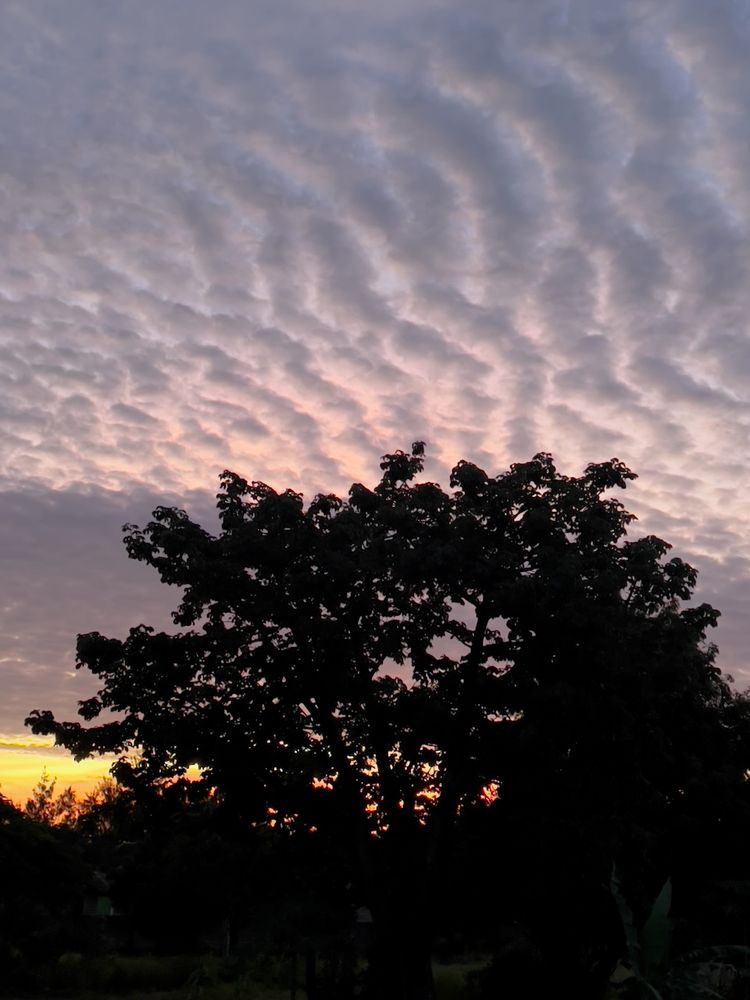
[184,977]
[450,979]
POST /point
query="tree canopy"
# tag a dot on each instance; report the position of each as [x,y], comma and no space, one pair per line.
[380,665]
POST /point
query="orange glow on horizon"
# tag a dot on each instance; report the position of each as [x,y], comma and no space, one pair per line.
[490,793]
[22,761]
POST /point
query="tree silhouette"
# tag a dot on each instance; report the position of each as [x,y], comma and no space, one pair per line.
[379,666]
[44,806]
[43,883]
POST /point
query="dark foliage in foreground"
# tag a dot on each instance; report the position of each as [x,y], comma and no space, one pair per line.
[380,668]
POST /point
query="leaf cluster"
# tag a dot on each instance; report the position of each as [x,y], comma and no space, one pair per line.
[405,647]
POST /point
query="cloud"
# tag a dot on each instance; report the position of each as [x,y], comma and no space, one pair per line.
[65,571]
[259,237]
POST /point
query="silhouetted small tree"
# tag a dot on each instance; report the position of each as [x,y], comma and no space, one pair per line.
[44,805]
[379,666]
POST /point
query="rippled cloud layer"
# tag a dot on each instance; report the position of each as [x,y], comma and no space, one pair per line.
[284,238]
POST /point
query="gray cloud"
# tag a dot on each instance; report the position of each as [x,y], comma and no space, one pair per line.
[258,236]
[65,571]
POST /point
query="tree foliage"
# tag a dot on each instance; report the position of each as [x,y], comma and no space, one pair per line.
[42,888]
[380,665]
[44,806]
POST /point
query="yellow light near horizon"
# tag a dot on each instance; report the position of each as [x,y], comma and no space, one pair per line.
[22,762]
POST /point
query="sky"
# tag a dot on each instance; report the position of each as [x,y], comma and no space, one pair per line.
[286,237]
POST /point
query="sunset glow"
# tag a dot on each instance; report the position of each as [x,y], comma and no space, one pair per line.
[24,761]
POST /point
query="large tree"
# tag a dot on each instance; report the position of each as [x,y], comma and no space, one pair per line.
[377,666]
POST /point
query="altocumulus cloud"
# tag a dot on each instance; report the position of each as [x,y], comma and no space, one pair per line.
[286,237]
